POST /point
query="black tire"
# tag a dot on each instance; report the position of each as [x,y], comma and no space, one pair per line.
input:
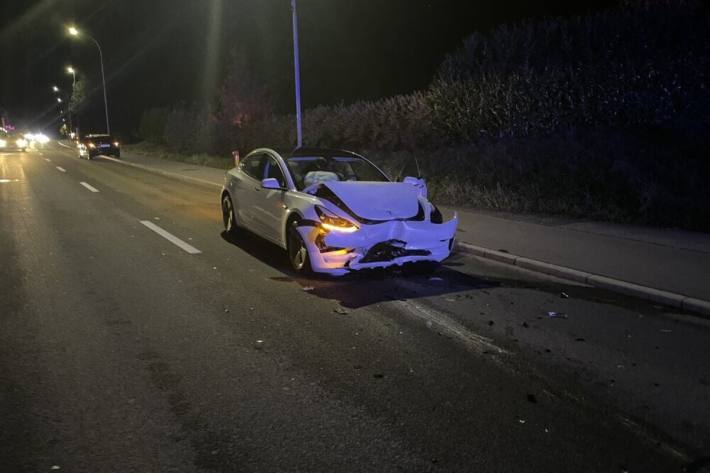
[229,218]
[297,251]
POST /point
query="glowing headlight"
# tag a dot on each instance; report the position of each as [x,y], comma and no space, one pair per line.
[92,145]
[21,143]
[42,138]
[115,143]
[331,222]
[3,143]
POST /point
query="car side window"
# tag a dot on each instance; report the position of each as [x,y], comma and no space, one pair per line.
[272,169]
[253,166]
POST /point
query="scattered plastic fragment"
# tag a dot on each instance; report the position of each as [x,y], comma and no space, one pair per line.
[259,344]
[56,467]
[532,398]
[226,310]
[525,325]
[490,323]
[564,295]
[522,421]
[579,339]
[308,288]
[559,315]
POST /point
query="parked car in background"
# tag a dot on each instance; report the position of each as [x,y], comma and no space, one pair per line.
[95,145]
[334,211]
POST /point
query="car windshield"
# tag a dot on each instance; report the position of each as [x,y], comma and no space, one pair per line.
[309,170]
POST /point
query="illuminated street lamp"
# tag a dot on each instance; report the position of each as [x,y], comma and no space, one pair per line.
[74,32]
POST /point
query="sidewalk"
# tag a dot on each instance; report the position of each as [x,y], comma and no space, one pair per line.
[670,260]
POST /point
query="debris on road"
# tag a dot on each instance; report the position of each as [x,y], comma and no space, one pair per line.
[522,421]
[308,288]
[525,325]
[564,295]
[559,315]
[580,339]
[532,399]
[340,310]
[259,344]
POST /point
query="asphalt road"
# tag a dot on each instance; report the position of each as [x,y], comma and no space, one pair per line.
[121,351]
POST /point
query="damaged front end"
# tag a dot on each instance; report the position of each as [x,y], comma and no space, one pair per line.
[339,242]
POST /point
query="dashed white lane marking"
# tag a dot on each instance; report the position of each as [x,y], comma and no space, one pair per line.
[48,160]
[89,186]
[171,238]
[59,168]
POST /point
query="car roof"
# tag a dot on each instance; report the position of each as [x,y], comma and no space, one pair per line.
[309,152]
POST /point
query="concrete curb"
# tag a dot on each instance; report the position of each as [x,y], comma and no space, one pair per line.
[174,175]
[671,299]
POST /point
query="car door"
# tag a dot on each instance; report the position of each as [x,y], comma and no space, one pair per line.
[245,187]
[269,209]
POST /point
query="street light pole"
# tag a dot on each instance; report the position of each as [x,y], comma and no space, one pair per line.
[73,31]
[297,72]
[71,71]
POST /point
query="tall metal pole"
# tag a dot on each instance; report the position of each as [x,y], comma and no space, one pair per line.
[297,71]
[103,80]
[71,100]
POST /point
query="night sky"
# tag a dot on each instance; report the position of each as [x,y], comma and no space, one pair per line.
[160,52]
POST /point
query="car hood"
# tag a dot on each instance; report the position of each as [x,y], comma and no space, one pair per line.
[377,200]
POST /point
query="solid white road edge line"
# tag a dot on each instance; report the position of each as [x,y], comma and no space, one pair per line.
[89,186]
[59,168]
[171,238]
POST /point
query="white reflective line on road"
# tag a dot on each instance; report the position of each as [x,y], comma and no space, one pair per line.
[89,186]
[59,168]
[171,238]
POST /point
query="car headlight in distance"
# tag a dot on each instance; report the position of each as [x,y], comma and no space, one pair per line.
[92,145]
[116,144]
[3,143]
[334,223]
[21,143]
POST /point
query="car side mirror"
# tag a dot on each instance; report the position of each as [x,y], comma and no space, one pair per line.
[419,183]
[235,155]
[271,183]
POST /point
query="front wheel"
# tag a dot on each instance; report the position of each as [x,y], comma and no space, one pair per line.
[228,217]
[297,250]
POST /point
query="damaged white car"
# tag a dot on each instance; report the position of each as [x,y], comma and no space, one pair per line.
[334,211]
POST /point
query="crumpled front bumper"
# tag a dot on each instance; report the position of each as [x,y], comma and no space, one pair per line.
[378,246]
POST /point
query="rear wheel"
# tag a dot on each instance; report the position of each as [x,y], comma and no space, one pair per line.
[297,250]
[228,217]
